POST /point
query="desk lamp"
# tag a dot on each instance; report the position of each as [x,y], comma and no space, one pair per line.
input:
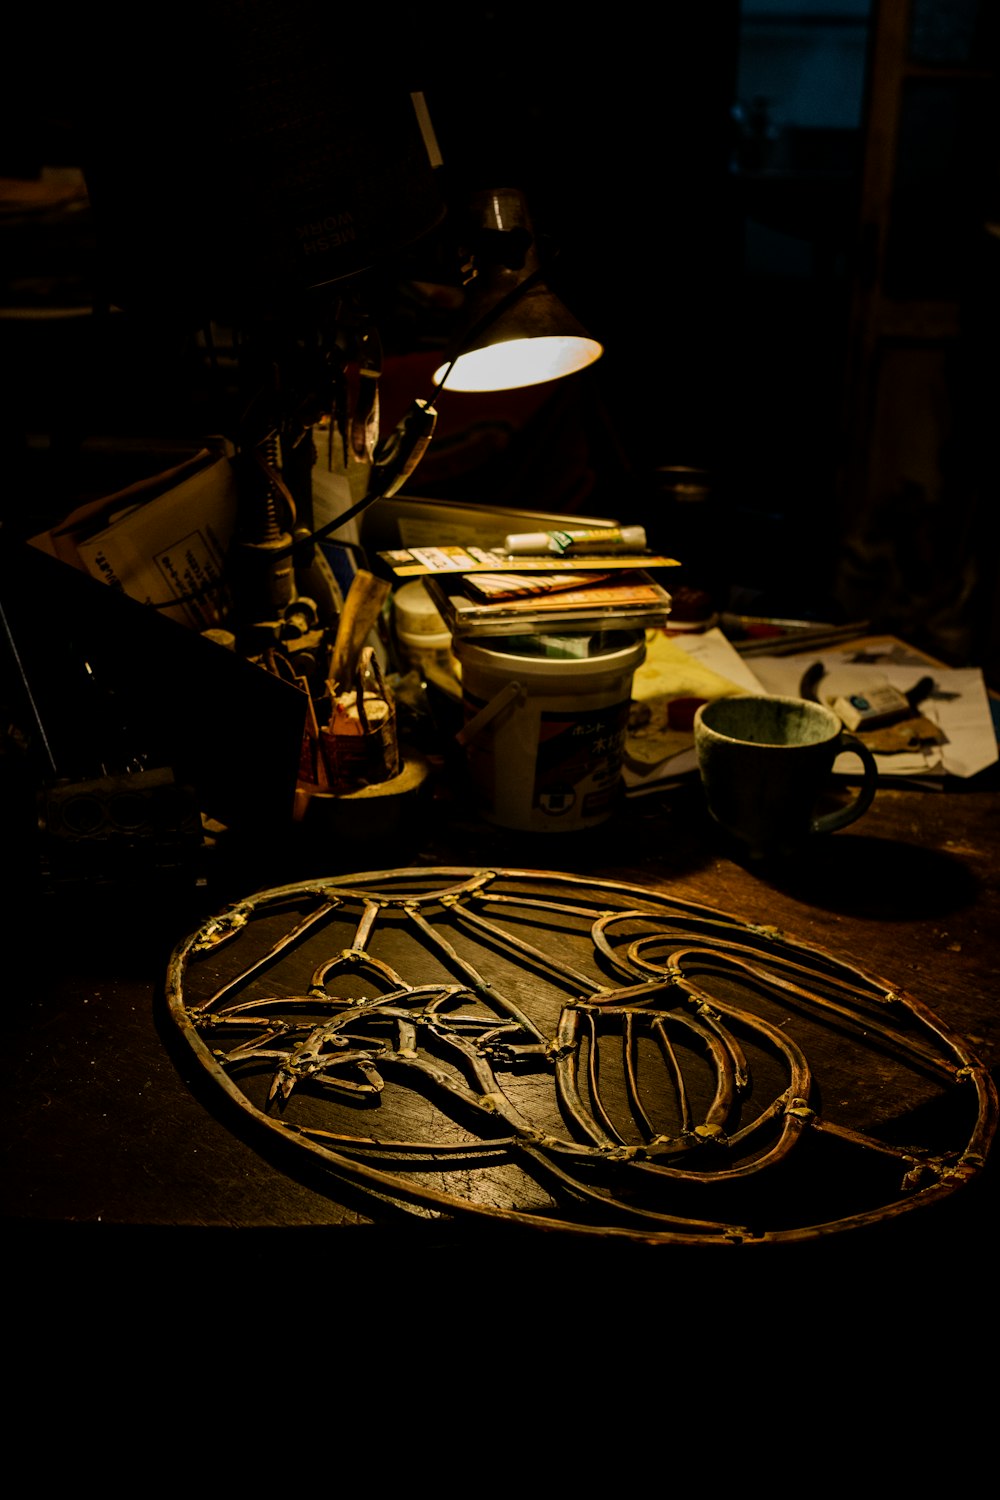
[515,333]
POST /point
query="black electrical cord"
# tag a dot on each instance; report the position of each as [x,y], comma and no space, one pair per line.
[421,416]
[398,455]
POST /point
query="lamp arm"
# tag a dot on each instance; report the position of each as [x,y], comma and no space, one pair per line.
[395,460]
[399,454]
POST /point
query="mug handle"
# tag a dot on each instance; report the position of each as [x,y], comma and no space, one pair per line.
[866,793]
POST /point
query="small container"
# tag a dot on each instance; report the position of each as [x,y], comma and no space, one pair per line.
[423,638]
[359,744]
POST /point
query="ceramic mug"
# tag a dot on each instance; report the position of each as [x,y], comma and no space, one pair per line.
[765,762]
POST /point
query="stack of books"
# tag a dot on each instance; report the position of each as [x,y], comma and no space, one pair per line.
[480,592]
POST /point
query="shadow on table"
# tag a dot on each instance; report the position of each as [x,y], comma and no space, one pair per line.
[871,877]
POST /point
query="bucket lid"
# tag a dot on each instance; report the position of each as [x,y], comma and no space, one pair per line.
[423,641]
[608,651]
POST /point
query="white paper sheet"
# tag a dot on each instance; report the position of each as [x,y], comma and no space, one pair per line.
[708,649]
[958,705]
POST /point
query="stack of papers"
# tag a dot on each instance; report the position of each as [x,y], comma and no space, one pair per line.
[680,670]
[957,703]
[478,592]
[163,541]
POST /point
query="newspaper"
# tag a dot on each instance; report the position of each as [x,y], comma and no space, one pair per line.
[165,547]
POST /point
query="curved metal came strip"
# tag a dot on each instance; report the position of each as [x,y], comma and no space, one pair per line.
[523,973]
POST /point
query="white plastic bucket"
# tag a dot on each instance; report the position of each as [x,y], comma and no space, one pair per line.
[544,735]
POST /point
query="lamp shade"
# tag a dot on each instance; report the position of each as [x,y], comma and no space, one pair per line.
[516,332]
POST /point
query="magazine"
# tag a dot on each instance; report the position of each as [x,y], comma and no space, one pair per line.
[631,601]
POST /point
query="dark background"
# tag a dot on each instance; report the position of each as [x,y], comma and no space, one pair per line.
[696,174]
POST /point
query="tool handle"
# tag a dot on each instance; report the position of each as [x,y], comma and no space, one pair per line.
[362,607]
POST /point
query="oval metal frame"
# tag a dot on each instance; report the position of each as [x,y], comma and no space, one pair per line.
[579,1055]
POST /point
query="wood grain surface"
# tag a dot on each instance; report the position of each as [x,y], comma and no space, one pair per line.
[109,1123]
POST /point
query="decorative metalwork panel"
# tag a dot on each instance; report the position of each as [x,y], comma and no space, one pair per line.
[576,1054]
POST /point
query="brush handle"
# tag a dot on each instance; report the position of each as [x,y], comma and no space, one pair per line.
[362,607]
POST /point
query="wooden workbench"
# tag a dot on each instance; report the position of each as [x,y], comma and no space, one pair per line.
[112,1136]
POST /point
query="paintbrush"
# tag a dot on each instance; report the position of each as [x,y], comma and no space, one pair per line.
[362,607]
